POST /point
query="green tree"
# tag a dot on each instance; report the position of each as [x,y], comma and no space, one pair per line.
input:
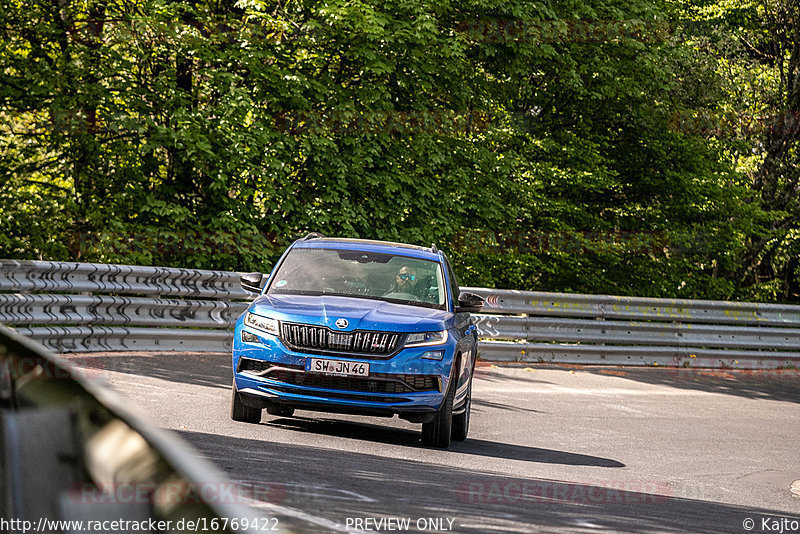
[533,141]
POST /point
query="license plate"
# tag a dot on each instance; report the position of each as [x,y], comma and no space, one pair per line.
[336,367]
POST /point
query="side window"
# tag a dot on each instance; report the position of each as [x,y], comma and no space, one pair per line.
[454,290]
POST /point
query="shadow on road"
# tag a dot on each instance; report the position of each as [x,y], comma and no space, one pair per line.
[491,374]
[211,369]
[779,384]
[476,447]
[479,447]
[340,484]
[481,403]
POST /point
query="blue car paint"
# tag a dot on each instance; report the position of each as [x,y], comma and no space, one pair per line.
[361,314]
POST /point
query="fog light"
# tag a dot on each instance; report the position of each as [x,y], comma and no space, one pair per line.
[433,355]
[247,337]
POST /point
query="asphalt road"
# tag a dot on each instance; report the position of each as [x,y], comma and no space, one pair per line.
[550,450]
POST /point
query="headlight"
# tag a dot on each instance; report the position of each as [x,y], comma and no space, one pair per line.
[262,323]
[423,339]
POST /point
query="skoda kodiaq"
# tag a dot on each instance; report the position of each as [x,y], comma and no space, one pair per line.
[359,327]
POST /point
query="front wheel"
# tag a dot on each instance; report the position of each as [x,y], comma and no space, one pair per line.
[437,432]
[240,411]
[461,420]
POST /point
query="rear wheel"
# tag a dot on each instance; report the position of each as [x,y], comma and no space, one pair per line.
[437,432]
[461,420]
[240,411]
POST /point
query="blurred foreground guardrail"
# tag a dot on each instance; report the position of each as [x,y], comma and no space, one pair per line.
[75,307]
[74,456]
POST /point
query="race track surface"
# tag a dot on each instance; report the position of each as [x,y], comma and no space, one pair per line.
[551,449]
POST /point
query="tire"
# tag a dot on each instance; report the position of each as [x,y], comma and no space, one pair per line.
[461,421]
[240,411]
[437,433]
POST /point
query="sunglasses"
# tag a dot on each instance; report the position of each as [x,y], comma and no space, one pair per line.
[407,276]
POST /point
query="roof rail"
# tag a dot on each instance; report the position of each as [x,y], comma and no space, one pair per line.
[313,235]
[434,248]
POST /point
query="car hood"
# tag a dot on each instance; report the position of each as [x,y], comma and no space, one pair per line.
[361,314]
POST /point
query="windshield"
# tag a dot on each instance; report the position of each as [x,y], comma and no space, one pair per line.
[356,273]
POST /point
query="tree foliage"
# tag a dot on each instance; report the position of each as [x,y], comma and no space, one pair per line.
[548,145]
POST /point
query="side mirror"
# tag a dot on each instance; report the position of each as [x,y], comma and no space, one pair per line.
[469,302]
[254,281]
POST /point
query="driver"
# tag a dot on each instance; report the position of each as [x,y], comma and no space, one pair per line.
[406,280]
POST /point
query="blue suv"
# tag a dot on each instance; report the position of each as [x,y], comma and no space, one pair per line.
[359,327]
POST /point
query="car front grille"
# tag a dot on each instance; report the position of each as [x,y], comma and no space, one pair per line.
[312,338]
[375,383]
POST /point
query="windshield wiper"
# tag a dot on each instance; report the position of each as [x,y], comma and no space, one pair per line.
[304,292]
[412,303]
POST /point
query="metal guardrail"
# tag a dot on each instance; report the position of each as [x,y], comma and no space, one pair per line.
[75,307]
[637,308]
[79,307]
[67,277]
[603,329]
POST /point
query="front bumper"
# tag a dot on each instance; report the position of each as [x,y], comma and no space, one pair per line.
[405,384]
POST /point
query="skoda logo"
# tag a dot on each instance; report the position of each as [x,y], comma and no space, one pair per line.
[341,323]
